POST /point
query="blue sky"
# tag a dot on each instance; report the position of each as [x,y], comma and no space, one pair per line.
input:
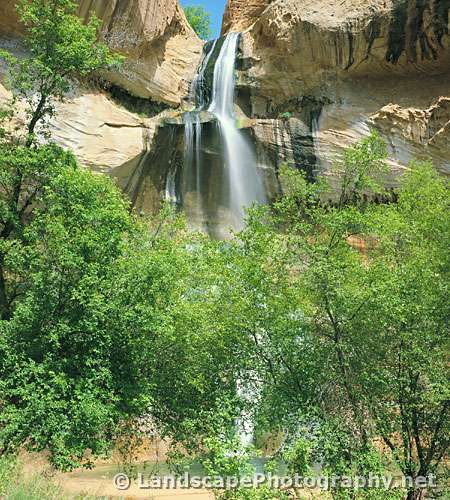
[214,7]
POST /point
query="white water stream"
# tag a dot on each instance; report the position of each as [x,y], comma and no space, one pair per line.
[243,185]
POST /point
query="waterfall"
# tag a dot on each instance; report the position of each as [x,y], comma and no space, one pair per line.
[192,179]
[315,134]
[198,159]
[171,190]
[188,139]
[243,185]
[198,84]
[192,171]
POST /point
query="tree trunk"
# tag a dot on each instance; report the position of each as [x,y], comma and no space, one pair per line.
[37,115]
[417,494]
[4,305]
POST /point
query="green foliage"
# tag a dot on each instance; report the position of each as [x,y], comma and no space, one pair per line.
[200,20]
[25,175]
[61,228]
[327,325]
[60,48]
[298,457]
[262,493]
[362,169]
[107,319]
[56,374]
[286,115]
[346,309]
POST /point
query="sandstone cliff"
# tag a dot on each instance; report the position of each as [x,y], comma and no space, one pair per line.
[241,14]
[162,54]
[161,49]
[313,77]
[109,139]
[318,74]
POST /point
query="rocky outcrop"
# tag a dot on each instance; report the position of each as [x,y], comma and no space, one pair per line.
[241,14]
[284,142]
[335,66]
[299,46]
[108,139]
[161,49]
[417,133]
[105,137]
[161,57]
[421,126]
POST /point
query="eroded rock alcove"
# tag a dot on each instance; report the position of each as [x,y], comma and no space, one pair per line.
[312,78]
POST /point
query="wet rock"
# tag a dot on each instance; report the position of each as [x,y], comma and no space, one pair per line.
[344,62]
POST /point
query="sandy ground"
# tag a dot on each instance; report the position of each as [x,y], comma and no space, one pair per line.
[102,488]
[99,483]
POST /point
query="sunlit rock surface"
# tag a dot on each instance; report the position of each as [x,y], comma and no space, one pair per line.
[161,49]
[162,54]
[313,77]
[338,67]
[108,139]
[241,14]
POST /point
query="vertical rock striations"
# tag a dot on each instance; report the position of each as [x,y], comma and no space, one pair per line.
[333,66]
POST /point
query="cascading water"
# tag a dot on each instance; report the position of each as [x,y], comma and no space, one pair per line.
[243,185]
[192,171]
[198,91]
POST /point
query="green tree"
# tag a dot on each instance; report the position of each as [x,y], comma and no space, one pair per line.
[61,231]
[103,320]
[109,321]
[200,20]
[56,377]
[59,48]
[346,318]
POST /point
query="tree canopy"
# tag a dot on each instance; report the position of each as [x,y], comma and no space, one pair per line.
[200,20]
[346,318]
[322,325]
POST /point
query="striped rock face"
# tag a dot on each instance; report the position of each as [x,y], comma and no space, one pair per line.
[317,75]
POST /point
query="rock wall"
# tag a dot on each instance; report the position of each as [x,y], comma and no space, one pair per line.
[108,139]
[161,49]
[241,14]
[313,77]
[340,68]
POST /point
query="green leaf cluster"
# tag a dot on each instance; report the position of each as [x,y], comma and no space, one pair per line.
[59,48]
[345,311]
[200,20]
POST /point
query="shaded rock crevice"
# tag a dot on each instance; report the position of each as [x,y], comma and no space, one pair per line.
[417,28]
